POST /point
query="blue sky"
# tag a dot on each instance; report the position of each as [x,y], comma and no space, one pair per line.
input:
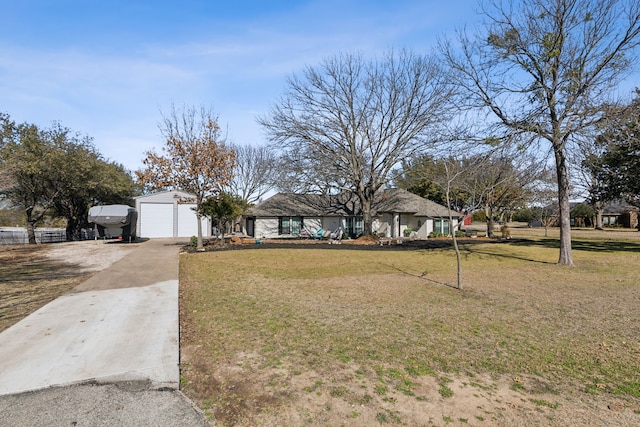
[108,68]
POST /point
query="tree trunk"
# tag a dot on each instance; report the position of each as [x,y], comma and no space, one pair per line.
[488,213]
[76,216]
[599,212]
[366,200]
[73,229]
[72,224]
[455,243]
[222,229]
[564,210]
[199,246]
[367,221]
[31,227]
[31,232]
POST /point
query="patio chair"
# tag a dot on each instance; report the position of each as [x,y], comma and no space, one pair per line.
[305,233]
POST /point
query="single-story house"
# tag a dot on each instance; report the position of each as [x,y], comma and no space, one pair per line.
[620,214]
[169,214]
[394,211]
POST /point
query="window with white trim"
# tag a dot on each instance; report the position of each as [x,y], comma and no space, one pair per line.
[441,226]
[289,225]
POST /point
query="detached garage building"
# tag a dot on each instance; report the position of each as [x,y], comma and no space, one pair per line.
[163,214]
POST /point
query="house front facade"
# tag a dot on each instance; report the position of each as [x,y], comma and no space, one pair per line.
[620,214]
[396,213]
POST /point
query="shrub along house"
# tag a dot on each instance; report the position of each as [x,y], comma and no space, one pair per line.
[396,213]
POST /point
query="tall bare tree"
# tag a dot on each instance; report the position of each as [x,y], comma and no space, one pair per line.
[352,120]
[255,172]
[195,158]
[543,68]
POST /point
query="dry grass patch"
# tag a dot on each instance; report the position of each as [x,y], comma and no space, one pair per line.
[33,275]
[364,337]
[29,279]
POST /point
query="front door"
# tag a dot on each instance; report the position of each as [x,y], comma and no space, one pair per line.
[250,225]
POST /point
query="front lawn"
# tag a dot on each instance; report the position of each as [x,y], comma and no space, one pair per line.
[342,336]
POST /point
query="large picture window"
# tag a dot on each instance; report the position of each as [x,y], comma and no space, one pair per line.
[441,226]
[289,225]
[354,226]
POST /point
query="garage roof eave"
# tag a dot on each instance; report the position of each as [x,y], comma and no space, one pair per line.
[178,193]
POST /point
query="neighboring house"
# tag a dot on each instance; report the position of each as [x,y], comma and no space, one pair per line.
[394,211]
[165,214]
[620,214]
[615,214]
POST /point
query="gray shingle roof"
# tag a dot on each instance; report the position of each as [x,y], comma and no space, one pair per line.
[397,200]
[394,200]
[291,204]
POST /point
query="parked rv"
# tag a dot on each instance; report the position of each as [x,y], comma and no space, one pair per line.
[114,221]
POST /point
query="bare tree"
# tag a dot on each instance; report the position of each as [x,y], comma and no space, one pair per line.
[546,198]
[301,171]
[353,120]
[468,183]
[496,181]
[196,159]
[255,172]
[451,175]
[587,170]
[505,184]
[542,68]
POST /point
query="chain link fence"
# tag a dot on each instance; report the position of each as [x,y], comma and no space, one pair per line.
[18,236]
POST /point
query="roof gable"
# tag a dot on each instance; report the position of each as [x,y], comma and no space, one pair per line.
[170,193]
[398,200]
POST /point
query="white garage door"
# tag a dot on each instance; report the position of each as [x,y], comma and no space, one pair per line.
[187,221]
[156,220]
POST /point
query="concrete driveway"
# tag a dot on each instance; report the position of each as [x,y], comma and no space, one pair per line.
[115,338]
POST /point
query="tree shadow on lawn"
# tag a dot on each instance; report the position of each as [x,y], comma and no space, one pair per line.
[468,246]
[579,244]
[550,243]
[422,276]
[28,264]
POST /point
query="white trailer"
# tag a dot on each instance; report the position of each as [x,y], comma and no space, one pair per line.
[114,221]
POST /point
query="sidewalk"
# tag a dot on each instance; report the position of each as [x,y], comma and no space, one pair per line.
[119,327]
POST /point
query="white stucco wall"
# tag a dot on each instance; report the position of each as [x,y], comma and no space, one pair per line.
[312,224]
[394,226]
[381,225]
[332,223]
[266,227]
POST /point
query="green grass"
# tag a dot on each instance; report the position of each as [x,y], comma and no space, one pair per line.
[395,316]
[542,402]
